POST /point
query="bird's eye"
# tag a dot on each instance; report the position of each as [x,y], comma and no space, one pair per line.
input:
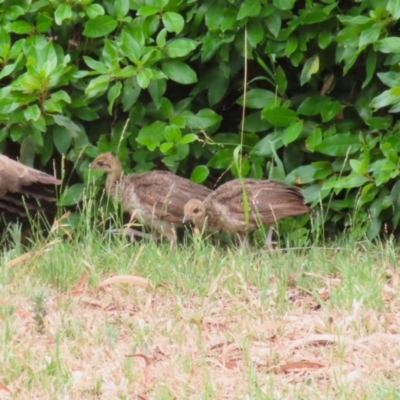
[195,210]
[100,163]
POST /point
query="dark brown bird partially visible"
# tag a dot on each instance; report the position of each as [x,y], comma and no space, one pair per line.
[17,178]
[155,198]
[224,209]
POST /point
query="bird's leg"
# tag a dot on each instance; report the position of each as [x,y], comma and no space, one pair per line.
[134,233]
[173,239]
[169,232]
[268,241]
[244,240]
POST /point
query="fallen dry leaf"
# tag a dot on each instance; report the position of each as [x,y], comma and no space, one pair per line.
[129,279]
[80,285]
[299,365]
[327,84]
[4,387]
[19,260]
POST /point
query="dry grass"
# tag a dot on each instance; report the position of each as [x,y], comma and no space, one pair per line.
[210,324]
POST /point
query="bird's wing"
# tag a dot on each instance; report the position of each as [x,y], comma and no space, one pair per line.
[14,176]
[163,193]
[267,200]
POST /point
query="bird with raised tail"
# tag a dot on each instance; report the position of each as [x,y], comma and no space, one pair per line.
[18,178]
[155,198]
[242,206]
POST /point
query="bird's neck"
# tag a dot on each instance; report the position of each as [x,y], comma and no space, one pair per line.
[201,222]
[112,180]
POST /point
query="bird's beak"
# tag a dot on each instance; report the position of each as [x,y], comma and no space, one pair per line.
[185,218]
[90,165]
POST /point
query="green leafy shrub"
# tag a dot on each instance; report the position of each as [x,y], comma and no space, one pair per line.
[306,92]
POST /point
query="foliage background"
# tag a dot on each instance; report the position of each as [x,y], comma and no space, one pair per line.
[306,91]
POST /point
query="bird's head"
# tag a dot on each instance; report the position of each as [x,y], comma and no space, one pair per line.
[195,211]
[107,162]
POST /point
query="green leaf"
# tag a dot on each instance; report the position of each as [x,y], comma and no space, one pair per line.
[357,20]
[359,167]
[5,43]
[165,147]
[384,99]
[179,47]
[43,23]
[257,98]
[62,139]
[96,65]
[20,27]
[12,12]
[179,72]
[112,95]
[72,195]
[32,113]
[274,22]
[121,8]
[211,44]
[281,80]
[280,116]
[249,8]
[147,10]
[85,114]
[222,159]
[301,175]
[370,66]
[200,174]
[172,133]
[313,105]
[313,195]
[156,90]
[63,12]
[292,132]
[94,10]
[97,86]
[131,46]
[188,138]
[266,146]
[173,22]
[393,6]
[323,169]
[161,38]
[370,35]
[310,68]
[144,77]
[218,86]
[331,110]
[61,95]
[291,45]
[167,108]
[67,123]
[349,182]
[255,32]
[100,26]
[339,145]
[389,45]
[52,106]
[284,4]
[241,170]
[202,120]
[254,123]
[325,39]
[152,135]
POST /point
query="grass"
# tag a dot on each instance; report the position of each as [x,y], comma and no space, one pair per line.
[212,323]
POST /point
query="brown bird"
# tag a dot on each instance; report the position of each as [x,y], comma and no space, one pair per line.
[224,208]
[156,198]
[19,179]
